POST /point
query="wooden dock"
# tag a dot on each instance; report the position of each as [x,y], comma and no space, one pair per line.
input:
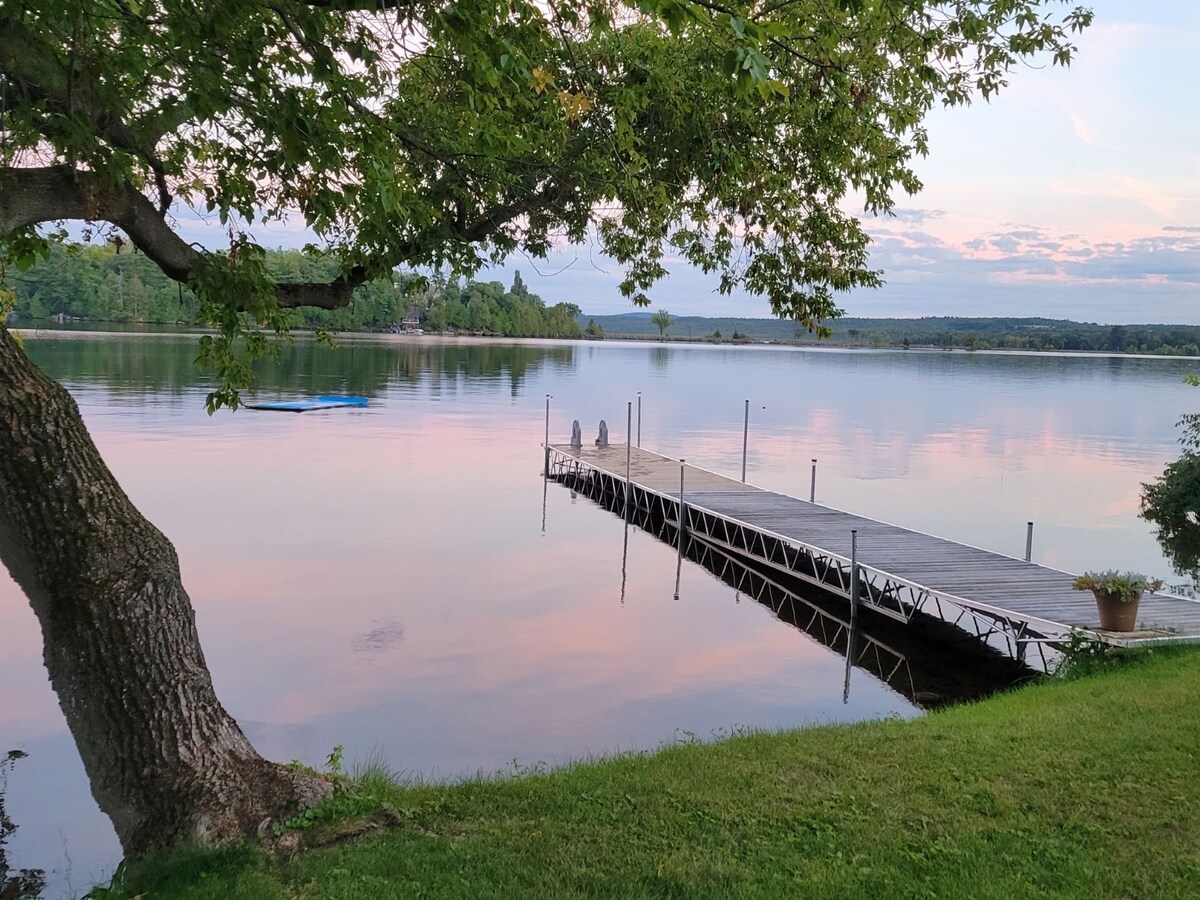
[901,573]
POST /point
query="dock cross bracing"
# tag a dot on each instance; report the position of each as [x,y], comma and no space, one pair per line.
[902,573]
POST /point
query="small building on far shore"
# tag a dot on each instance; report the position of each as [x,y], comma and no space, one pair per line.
[411,324]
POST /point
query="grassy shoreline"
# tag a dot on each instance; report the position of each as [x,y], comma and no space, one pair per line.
[1080,788]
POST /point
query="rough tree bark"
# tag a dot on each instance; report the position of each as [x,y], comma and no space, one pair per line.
[165,760]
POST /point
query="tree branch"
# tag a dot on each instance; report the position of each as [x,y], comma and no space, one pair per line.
[327,295]
[54,193]
[499,216]
[32,196]
[36,71]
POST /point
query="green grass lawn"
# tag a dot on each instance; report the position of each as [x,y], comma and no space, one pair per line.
[1083,788]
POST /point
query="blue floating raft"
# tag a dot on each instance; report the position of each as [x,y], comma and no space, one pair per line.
[325,402]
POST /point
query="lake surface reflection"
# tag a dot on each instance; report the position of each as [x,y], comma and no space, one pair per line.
[380,578]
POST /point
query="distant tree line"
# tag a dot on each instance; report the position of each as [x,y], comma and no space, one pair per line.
[104,283]
[1020,334]
[946,332]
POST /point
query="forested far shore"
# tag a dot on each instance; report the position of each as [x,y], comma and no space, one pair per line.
[99,283]
[945,332]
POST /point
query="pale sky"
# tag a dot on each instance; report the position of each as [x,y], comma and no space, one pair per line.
[1073,194]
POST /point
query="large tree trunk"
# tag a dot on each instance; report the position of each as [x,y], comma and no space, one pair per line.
[165,760]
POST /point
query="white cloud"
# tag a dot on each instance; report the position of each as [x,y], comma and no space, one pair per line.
[1122,186]
[1027,271]
[1084,130]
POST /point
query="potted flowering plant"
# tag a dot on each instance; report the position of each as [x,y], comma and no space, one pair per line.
[1117,595]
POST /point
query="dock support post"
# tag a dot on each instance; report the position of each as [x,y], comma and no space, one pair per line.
[1029,542]
[546,466]
[812,489]
[628,451]
[853,575]
[639,436]
[682,516]
[682,528]
[745,440]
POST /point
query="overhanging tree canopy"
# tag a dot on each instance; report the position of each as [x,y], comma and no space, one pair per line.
[418,133]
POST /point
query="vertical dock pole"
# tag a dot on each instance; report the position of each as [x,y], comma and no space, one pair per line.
[682,526]
[639,443]
[628,451]
[853,575]
[546,468]
[853,613]
[682,516]
[1029,542]
[745,440]
[812,489]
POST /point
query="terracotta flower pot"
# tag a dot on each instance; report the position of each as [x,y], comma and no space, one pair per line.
[1116,614]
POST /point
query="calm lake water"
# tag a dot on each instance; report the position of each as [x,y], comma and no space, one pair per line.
[382,579]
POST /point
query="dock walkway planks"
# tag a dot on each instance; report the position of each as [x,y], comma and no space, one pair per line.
[1000,586]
